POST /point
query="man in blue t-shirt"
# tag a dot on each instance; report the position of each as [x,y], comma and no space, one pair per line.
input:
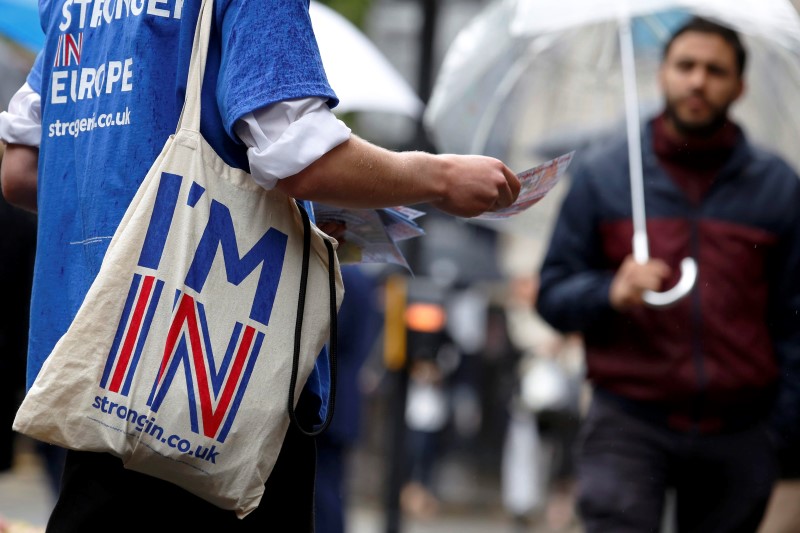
[104,95]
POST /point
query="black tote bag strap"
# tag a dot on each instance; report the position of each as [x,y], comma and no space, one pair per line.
[301,301]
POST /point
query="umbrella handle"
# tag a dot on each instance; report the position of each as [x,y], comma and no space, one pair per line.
[681,289]
[640,245]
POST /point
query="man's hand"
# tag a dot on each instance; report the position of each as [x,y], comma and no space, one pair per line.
[476,184]
[632,279]
[335,229]
[18,175]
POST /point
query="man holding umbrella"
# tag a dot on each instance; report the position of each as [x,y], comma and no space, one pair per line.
[697,396]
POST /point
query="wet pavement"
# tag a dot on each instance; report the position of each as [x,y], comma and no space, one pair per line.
[25,501]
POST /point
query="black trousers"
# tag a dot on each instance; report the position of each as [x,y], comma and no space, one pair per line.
[722,482]
[99,495]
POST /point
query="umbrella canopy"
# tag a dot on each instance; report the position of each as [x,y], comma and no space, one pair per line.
[771,19]
[362,77]
[530,79]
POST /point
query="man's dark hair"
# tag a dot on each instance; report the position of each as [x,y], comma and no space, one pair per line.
[702,25]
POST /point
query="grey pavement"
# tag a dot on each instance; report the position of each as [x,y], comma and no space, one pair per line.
[25,501]
[25,497]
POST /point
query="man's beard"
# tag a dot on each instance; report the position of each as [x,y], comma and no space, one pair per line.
[698,130]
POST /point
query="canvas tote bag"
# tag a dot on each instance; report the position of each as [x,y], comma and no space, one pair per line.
[212,303]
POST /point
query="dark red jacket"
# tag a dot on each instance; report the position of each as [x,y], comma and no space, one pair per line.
[718,354]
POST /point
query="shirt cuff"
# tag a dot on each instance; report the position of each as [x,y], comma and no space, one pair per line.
[286,137]
[22,123]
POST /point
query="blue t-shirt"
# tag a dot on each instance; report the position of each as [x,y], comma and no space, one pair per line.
[112,78]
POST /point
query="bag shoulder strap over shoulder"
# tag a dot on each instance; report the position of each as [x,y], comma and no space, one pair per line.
[190,114]
[190,119]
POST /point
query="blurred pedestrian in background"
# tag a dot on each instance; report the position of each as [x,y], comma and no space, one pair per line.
[359,326]
[538,462]
[17,248]
[17,252]
[427,414]
[696,396]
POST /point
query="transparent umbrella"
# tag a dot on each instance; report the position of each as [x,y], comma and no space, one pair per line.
[531,79]
[359,73]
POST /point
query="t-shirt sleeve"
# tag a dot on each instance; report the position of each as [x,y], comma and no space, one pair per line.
[22,123]
[35,75]
[286,137]
[269,54]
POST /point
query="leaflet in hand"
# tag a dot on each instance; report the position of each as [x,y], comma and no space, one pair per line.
[371,235]
[535,184]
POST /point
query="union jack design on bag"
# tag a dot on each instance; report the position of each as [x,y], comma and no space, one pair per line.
[218,391]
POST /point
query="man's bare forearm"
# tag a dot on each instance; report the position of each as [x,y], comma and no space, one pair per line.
[359,174]
[18,175]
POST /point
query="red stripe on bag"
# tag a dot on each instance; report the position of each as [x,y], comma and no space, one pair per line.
[212,418]
[133,333]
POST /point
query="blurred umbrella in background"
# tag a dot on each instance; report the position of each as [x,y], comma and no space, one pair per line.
[531,79]
[362,77]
